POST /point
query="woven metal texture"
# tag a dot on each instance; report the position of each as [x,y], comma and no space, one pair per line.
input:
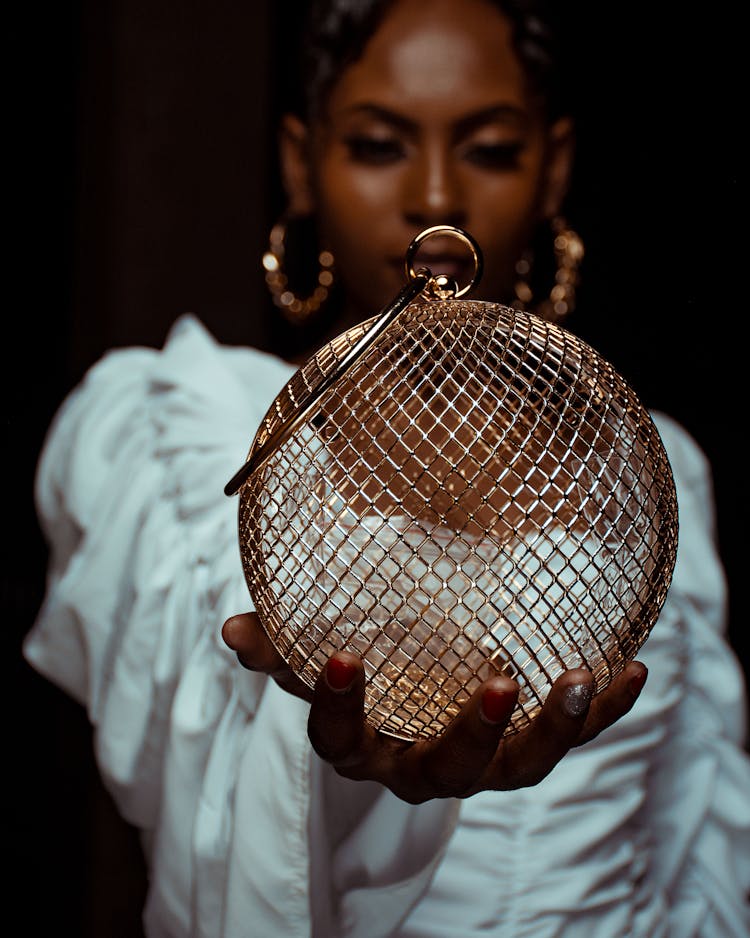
[482,492]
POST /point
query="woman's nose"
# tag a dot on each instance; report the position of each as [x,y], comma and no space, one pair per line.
[433,193]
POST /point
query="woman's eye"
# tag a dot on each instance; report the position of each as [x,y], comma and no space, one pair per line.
[375,151]
[494,155]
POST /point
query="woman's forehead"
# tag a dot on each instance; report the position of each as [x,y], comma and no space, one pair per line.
[423,56]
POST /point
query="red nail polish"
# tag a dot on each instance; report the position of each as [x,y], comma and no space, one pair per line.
[340,675]
[494,707]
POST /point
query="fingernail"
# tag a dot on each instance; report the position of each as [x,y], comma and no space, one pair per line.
[576,699]
[340,675]
[494,707]
[635,684]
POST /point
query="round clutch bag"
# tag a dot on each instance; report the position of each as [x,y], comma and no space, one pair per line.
[455,489]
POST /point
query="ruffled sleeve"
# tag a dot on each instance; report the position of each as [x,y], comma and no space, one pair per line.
[210,761]
[142,540]
[144,569]
[698,797]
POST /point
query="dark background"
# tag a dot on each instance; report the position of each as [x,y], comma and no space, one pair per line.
[140,155]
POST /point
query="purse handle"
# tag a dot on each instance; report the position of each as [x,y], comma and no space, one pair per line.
[439,287]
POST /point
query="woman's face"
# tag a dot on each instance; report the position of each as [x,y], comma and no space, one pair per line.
[432,125]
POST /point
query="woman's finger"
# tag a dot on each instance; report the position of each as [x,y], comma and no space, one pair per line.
[449,766]
[615,701]
[336,724]
[247,638]
[529,756]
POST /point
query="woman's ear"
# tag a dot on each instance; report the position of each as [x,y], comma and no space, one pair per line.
[561,145]
[294,152]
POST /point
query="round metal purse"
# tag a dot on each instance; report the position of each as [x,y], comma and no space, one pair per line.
[450,490]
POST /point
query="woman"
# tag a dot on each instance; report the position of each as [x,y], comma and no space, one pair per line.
[411,120]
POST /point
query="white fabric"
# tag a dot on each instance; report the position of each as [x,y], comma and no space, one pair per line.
[643,832]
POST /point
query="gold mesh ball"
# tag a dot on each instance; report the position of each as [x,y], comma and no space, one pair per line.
[481,492]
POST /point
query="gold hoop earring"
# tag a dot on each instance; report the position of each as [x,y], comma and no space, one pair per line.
[568,248]
[297,310]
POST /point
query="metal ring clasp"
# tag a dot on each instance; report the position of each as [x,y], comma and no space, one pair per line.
[450,230]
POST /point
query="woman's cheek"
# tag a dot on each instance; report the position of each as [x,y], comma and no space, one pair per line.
[357,184]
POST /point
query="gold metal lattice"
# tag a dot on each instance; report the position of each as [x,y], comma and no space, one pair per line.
[479,492]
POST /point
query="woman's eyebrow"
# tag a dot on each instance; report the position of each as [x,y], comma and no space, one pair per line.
[384,114]
[511,114]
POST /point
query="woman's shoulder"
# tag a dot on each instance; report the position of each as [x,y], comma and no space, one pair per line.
[687,458]
[193,384]
[194,402]
[692,473]
[699,586]
[193,357]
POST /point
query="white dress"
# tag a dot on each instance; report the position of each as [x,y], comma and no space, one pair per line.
[643,832]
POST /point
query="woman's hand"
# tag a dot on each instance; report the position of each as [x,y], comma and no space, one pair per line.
[471,755]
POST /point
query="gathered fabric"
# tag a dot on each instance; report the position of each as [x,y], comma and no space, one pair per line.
[645,831]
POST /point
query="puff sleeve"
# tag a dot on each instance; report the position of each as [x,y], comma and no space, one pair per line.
[210,761]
